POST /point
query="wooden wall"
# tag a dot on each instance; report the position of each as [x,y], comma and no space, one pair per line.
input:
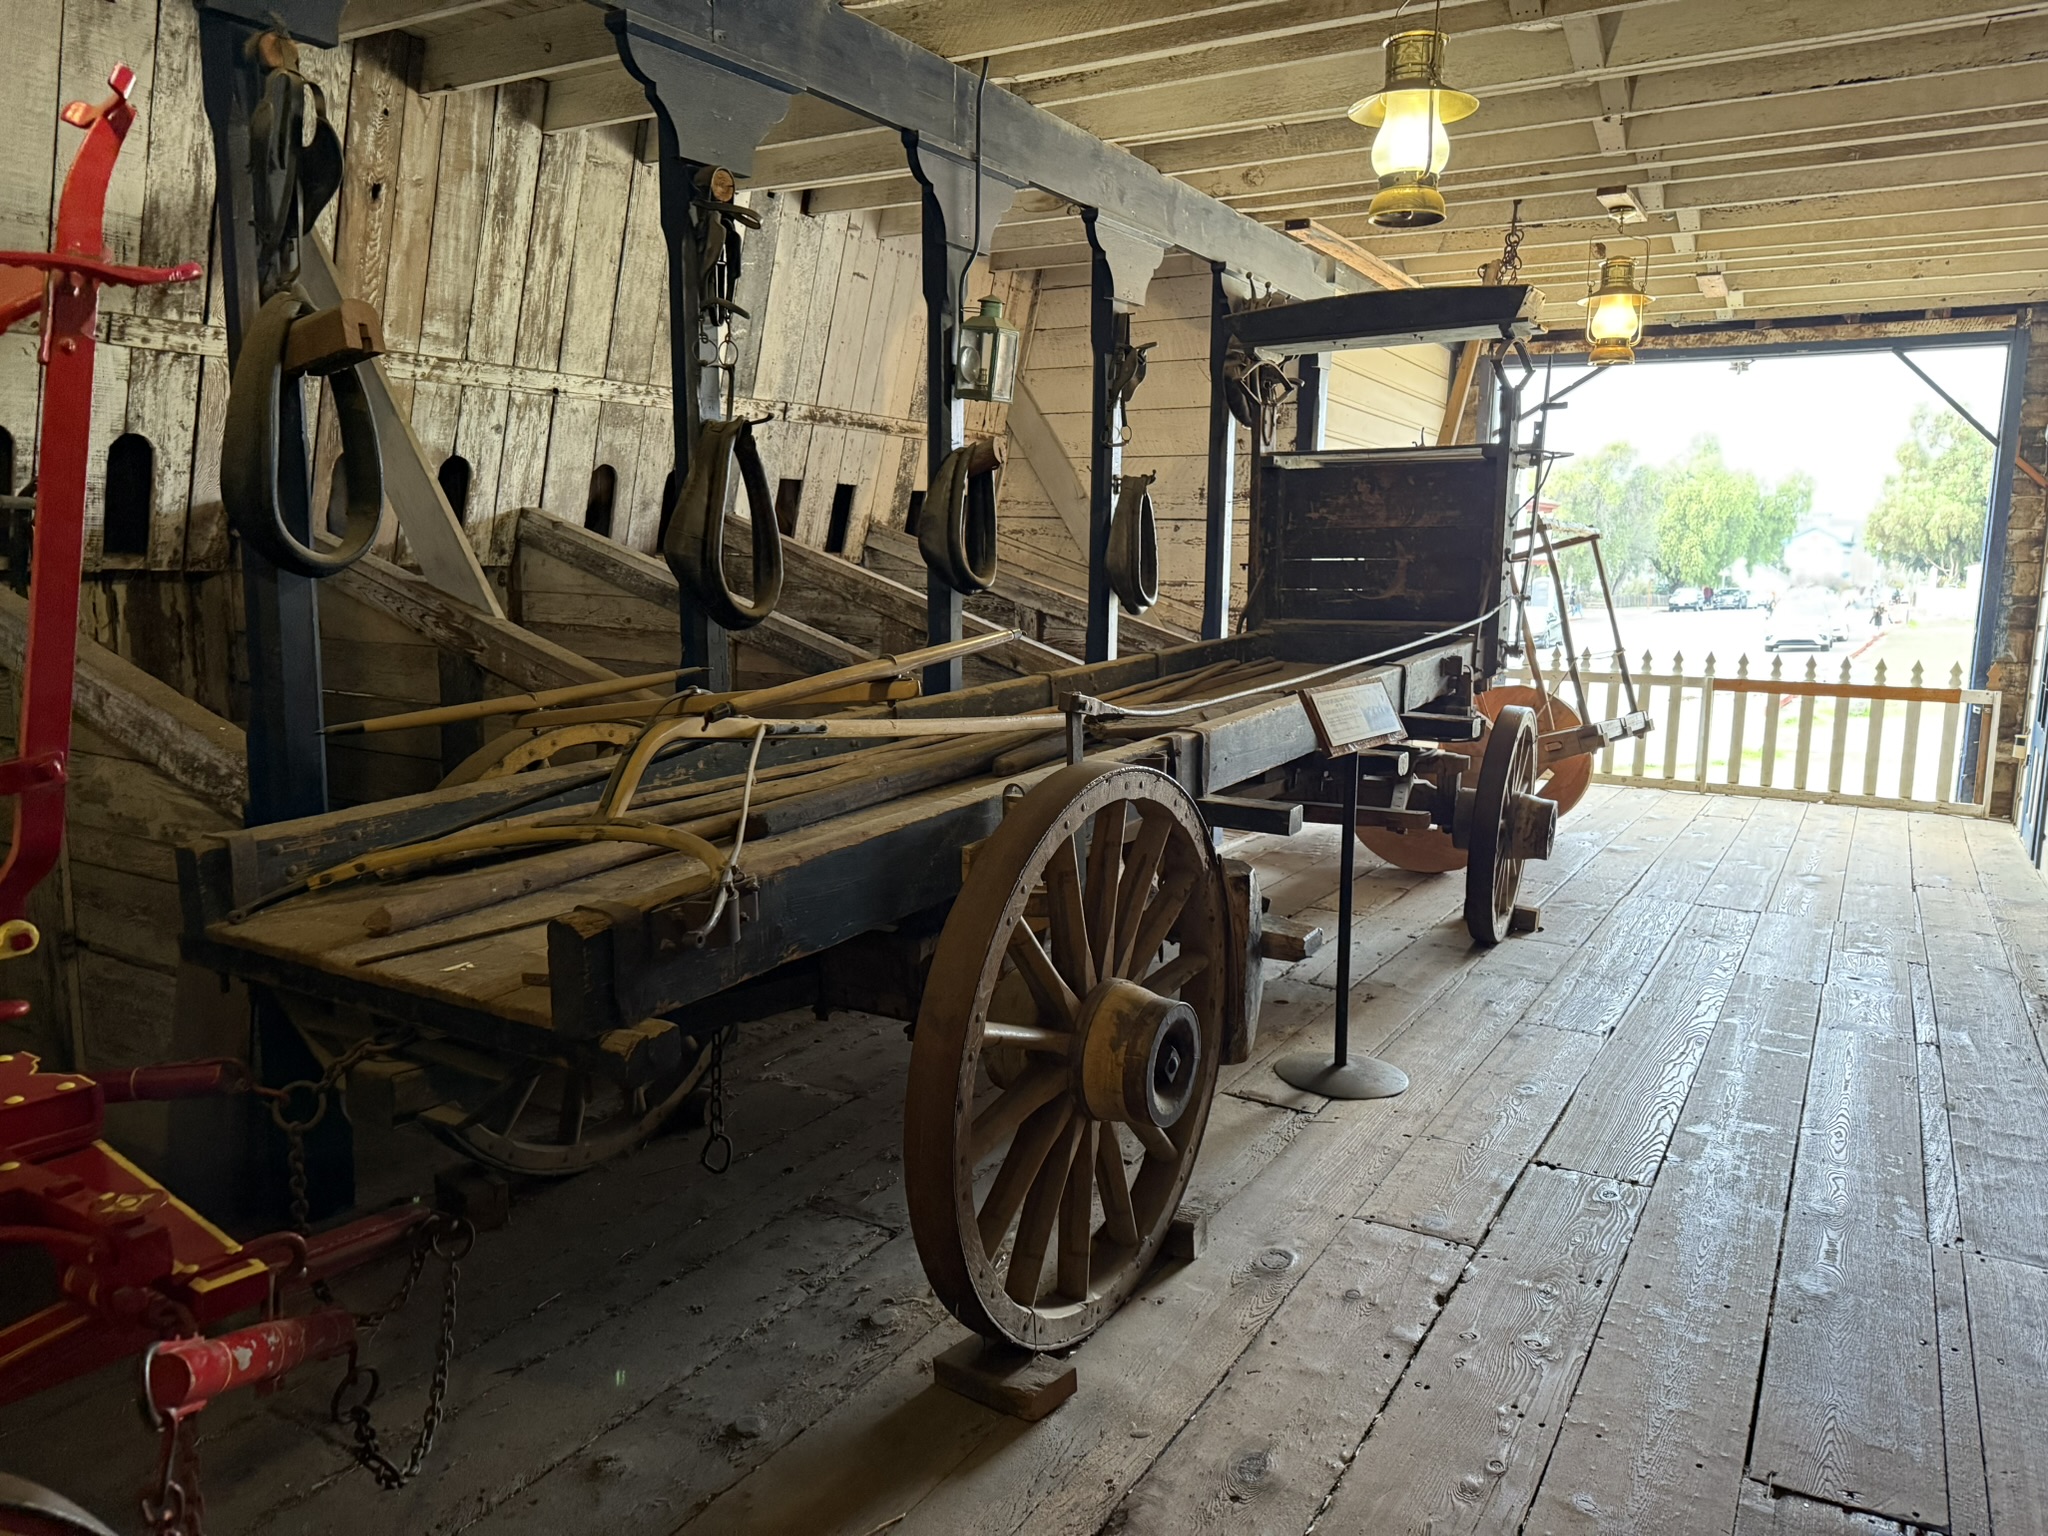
[1386,397]
[149,772]
[1169,433]
[1381,398]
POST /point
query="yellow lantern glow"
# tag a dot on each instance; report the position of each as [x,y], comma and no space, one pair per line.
[1614,309]
[1411,148]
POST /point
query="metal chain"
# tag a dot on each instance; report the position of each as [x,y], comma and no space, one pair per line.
[449,1240]
[176,1509]
[295,1130]
[714,1117]
[1509,267]
[446,1238]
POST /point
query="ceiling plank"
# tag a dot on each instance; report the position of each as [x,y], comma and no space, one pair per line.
[522,48]
[367,18]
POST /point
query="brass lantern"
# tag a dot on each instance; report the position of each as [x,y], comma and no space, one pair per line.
[988,356]
[1615,302]
[1410,148]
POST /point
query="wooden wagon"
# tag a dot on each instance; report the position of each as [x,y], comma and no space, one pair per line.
[1026,870]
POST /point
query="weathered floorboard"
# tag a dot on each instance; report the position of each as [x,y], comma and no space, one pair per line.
[1470,1428]
[1658,1429]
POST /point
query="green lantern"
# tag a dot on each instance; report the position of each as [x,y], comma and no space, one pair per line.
[988,356]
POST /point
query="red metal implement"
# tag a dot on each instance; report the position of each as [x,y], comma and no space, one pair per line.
[183,1375]
[65,284]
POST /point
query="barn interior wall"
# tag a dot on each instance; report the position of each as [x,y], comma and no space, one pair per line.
[1379,398]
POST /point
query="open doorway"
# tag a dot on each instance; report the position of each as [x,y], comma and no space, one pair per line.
[1818,517]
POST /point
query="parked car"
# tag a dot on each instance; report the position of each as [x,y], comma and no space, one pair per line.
[1687,599]
[1728,597]
[1803,623]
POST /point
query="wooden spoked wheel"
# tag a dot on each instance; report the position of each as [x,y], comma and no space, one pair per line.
[1066,1053]
[1565,781]
[1500,838]
[549,1120]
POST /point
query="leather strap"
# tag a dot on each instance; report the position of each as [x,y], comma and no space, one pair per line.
[249,450]
[695,543]
[956,530]
[1133,558]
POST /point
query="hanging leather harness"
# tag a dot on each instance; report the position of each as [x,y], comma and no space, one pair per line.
[695,543]
[293,178]
[956,529]
[249,454]
[1131,561]
[1133,558]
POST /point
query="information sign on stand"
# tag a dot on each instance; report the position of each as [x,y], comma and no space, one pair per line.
[1348,718]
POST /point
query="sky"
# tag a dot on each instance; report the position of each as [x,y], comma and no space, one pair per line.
[1837,417]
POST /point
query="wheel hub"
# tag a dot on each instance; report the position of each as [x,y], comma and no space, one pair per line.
[1140,1055]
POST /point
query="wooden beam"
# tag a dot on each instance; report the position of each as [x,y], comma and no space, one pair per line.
[1050,466]
[1318,237]
[191,746]
[366,18]
[411,484]
[814,46]
[545,43]
[494,643]
[648,579]
[592,98]
[1245,85]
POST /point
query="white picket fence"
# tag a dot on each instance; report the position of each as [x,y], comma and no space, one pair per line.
[1799,737]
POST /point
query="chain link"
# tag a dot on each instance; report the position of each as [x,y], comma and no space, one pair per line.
[449,1239]
[176,1508]
[1509,267]
[714,1117]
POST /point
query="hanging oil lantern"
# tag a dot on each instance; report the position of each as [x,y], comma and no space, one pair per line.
[988,356]
[1615,300]
[1411,148]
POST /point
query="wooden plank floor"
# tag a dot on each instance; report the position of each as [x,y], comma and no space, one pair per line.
[1719,1205]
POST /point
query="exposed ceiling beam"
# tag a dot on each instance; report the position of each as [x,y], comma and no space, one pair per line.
[1936,164]
[815,47]
[1549,154]
[1284,122]
[594,97]
[522,48]
[366,18]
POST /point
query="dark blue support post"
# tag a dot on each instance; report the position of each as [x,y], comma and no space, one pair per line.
[1222,481]
[695,396]
[287,756]
[1121,263]
[961,208]
[1309,402]
[1105,453]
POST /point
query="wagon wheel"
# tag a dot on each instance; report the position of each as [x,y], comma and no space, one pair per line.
[549,1120]
[1510,823]
[1431,852]
[515,753]
[1070,1034]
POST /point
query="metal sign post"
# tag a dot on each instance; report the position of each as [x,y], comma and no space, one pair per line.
[1347,718]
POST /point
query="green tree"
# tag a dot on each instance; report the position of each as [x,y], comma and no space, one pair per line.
[1688,523]
[1931,511]
[1614,491]
[1713,517]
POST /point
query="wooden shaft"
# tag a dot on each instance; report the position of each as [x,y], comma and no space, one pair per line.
[454,714]
[755,700]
